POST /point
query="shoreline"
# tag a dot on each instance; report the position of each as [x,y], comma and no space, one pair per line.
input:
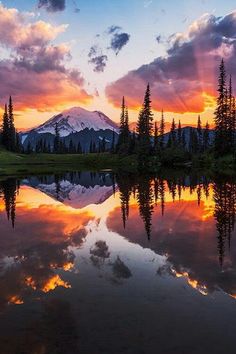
[21,164]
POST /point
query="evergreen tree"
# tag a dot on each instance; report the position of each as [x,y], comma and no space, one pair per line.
[193,141]
[11,126]
[179,134]
[206,137]
[71,147]
[132,143]
[56,140]
[162,131]
[172,136]
[231,117]
[5,129]
[29,148]
[199,133]
[155,138]
[112,142]
[145,129]
[79,149]
[10,138]
[183,140]
[124,134]
[221,138]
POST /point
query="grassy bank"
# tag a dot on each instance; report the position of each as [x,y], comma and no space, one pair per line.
[22,164]
[12,164]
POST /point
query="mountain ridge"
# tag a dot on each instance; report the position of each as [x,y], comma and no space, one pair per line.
[74,120]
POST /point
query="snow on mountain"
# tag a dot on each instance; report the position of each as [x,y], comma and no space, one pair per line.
[76,119]
[76,195]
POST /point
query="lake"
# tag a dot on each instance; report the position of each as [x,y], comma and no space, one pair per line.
[102,263]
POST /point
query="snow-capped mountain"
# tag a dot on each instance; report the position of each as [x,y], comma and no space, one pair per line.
[77,125]
[76,119]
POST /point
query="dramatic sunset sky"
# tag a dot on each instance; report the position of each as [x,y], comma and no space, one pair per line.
[56,54]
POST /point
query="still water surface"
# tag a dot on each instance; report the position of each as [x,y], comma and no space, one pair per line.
[96,263]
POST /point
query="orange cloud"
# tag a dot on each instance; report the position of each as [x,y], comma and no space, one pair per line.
[36,74]
[186,79]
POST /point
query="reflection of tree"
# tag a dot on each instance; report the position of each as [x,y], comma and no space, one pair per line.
[8,191]
[162,195]
[145,202]
[125,184]
[225,204]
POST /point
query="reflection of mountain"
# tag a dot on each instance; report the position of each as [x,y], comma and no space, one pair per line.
[76,196]
[35,255]
[76,190]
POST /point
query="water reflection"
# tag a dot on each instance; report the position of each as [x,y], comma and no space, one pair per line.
[83,248]
[8,192]
[150,192]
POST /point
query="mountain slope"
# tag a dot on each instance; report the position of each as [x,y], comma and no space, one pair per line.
[75,120]
[77,125]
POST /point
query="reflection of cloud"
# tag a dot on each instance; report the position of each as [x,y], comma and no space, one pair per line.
[100,249]
[53,283]
[188,241]
[99,252]
[39,254]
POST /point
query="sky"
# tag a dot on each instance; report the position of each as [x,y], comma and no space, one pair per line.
[57,54]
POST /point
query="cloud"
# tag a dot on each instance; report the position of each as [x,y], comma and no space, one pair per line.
[36,72]
[16,32]
[113,29]
[158,38]
[52,5]
[118,41]
[98,59]
[182,80]
[147,3]
[76,8]
[96,54]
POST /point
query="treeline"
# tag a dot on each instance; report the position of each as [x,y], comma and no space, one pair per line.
[9,137]
[60,146]
[149,139]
